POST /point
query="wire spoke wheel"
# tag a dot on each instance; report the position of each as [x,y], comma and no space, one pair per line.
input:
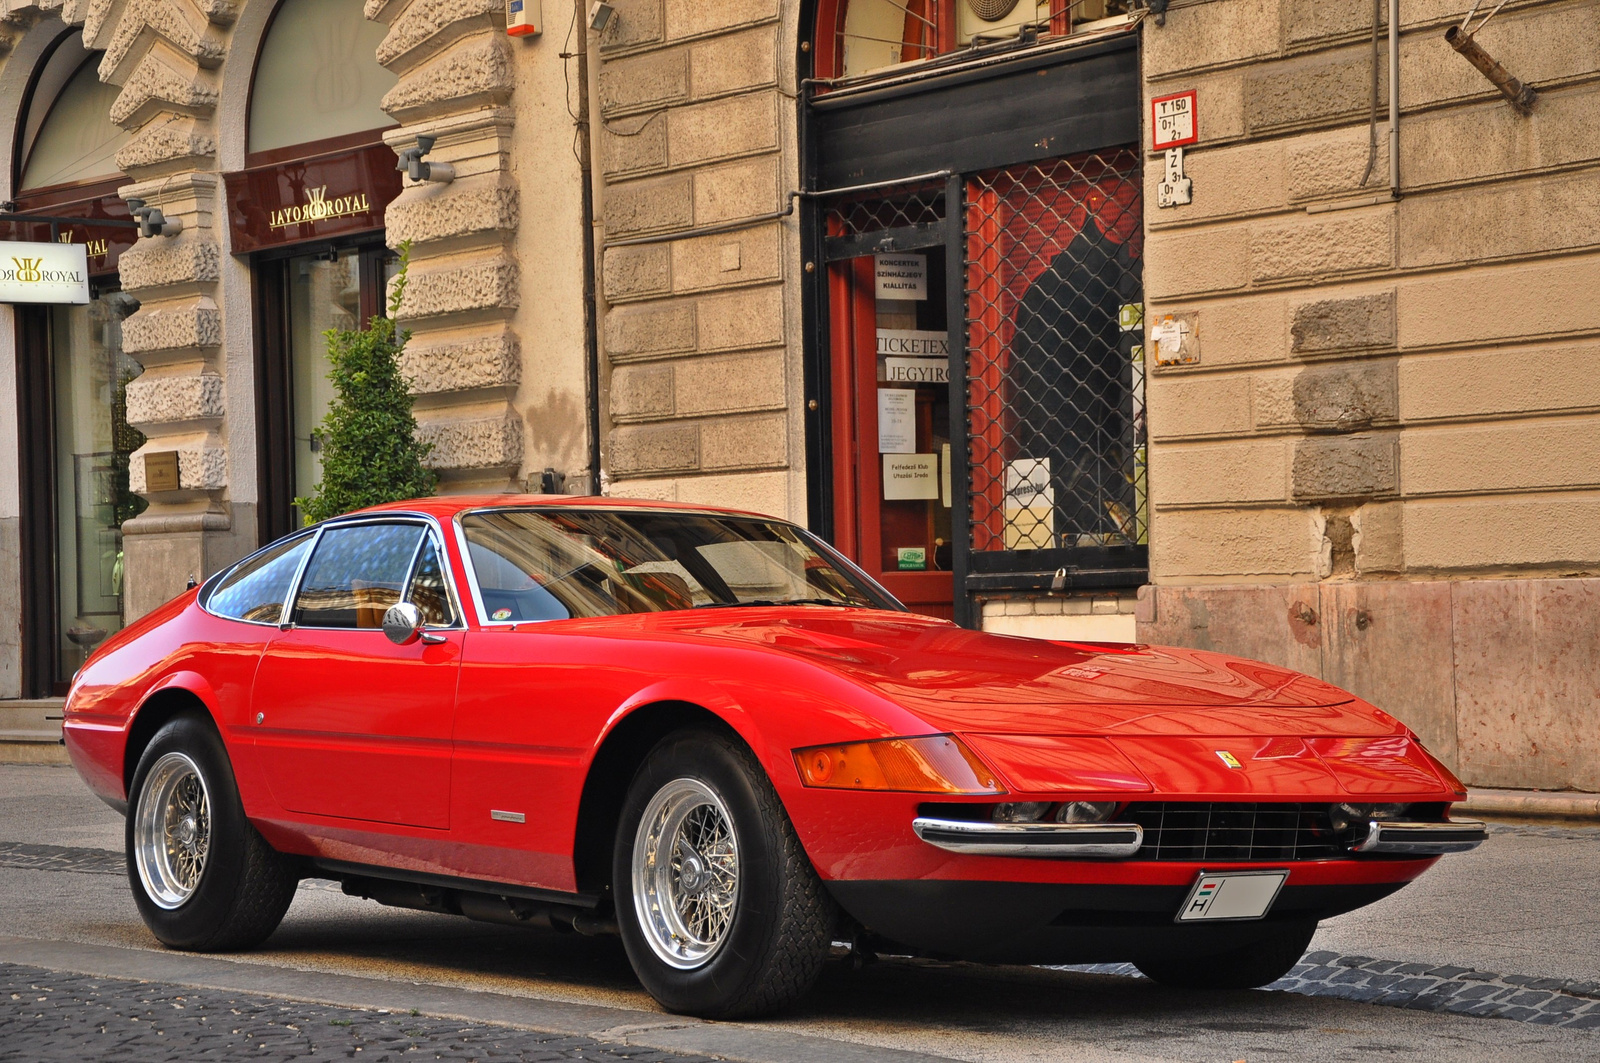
[686,873]
[172,830]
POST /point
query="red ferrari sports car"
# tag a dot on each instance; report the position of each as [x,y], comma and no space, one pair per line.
[708,732]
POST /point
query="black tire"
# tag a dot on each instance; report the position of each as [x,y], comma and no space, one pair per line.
[1258,964]
[244,885]
[782,920]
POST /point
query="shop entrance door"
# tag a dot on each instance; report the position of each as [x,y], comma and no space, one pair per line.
[298,299]
[73,378]
[891,413]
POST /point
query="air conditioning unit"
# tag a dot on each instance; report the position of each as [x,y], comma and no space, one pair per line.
[981,21]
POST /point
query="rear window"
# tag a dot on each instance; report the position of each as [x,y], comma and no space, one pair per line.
[256,589]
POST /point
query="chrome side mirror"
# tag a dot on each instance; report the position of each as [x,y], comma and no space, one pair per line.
[402,623]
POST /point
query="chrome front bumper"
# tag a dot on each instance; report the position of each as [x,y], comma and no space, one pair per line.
[1422,839]
[1069,840]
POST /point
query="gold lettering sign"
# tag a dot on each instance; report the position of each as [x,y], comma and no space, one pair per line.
[28,271]
[161,471]
[93,248]
[318,207]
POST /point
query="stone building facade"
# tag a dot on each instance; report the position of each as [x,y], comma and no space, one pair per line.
[1373,460]
[1382,467]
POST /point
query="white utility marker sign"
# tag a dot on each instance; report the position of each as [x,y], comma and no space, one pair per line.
[44,273]
[1174,121]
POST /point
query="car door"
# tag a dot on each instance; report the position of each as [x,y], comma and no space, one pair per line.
[347,723]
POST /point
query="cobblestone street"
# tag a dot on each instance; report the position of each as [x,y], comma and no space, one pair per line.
[55,1016]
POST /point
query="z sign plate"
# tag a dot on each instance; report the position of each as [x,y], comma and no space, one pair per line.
[1174,121]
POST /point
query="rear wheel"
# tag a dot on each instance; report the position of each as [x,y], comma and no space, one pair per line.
[1258,964]
[720,910]
[202,876]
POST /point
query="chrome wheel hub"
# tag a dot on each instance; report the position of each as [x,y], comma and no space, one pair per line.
[172,830]
[685,873]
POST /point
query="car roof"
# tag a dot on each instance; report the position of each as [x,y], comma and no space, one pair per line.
[445,507]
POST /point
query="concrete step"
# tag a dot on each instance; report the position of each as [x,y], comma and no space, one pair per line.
[1531,804]
[28,735]
[32,714]
[33,753]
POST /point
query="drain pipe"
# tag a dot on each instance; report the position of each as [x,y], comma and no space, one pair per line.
[1394,99]
[1394,120]
[594,184]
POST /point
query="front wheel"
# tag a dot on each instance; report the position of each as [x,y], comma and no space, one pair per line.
[720,910]
[202,876]
[1258,964]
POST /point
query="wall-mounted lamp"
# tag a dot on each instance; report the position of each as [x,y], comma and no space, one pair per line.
[411,164]
[152,222]
[600,15]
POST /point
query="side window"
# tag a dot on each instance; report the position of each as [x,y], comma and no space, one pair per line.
[255,590]
[356,574]
[428,591]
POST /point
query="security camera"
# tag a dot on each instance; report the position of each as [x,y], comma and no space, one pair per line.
[152,222]
[411,164]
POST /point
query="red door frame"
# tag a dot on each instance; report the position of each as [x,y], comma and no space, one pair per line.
[857,469]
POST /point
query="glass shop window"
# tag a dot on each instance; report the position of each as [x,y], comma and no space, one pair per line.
[911,366]
[93,442]
[317,76]
[324,293]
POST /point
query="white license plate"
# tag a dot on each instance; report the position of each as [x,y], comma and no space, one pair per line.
[1222,895]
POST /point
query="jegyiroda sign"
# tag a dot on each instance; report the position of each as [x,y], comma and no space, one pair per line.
[43,272]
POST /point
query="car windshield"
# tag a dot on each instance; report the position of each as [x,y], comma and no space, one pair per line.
[555,563]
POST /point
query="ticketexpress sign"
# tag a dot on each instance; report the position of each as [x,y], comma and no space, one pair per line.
[43,273]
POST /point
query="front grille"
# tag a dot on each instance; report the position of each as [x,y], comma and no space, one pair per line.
[1201,831]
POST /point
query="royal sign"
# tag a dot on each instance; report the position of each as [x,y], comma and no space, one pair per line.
[318,207]
[43,273]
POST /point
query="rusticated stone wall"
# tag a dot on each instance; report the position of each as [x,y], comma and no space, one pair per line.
[456,84]
[700,334]
[495,294]
[1385,466]
[166,56]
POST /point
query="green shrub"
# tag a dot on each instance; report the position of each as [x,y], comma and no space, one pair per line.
[370,452]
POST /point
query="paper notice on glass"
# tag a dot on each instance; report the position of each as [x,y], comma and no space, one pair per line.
[897,420]
[901,276]
[1030,505]
[910,476]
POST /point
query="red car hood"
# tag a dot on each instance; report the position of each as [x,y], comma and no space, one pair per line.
[970,681]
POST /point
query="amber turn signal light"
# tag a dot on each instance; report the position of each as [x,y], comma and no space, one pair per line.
[935,764]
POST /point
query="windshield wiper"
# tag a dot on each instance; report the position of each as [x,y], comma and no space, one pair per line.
[785,601]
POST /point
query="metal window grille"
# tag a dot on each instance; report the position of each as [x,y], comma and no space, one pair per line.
[886,210]
[1056,431]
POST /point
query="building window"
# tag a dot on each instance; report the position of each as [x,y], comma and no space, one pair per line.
[874,36]
[318,76]
[72,373]
[92,444]
[1055,357]
[308,211]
